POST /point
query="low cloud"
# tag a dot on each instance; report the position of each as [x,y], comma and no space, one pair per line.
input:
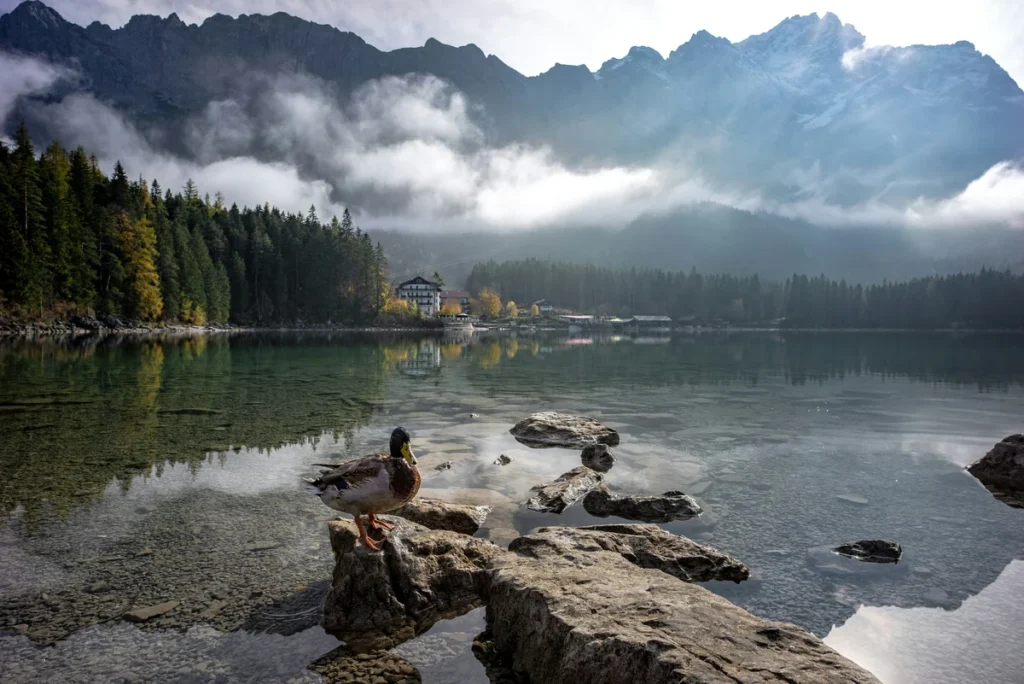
[21,76]
[405,153]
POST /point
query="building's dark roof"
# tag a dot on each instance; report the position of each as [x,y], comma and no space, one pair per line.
[418,280]
[541,302]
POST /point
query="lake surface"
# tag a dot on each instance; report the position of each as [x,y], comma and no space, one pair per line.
[135,472]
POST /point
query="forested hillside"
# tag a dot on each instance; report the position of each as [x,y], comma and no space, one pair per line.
[72,239]
[985,300]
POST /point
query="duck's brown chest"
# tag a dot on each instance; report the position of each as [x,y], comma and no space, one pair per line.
[405,483]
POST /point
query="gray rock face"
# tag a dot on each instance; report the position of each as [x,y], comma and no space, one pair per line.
[598,457]
[378,600]
[647,546]
[551,429]
[569,488]
[596,617]
[872,551]
[664,508]
[1003,466]
[441,515]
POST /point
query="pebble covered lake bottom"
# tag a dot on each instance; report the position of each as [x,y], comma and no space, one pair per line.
[162,479]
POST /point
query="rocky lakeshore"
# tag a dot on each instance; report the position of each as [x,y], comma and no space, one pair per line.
[605,604]
[601,603]
[546,594]
[77,326]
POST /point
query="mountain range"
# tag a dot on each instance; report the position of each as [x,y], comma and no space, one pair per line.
[802,111]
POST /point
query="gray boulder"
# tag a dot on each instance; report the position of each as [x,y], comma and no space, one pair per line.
[871,550]
[569,488]
[647,546]
[380,599]
[598,457]
[595,617]
[441,515]
[664,508]
[1003,466]
[551,429]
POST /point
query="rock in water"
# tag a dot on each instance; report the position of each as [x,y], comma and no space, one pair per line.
[380,599]
[341,665]
[647,546]
[596,617]
[556,496]
[1003,466]
[667,507]
[447,465]
[551,429]
[598,457]
[441,515]
[871,550]
[502,460]
[143,614]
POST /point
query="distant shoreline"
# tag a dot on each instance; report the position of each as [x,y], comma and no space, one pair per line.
[34,331]
[29,330]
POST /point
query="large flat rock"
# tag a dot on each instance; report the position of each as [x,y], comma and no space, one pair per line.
[552,429]
[380,599]
[647,546]
[441,515]
[600,619]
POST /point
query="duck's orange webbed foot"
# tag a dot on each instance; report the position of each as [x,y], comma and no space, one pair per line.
[378,524]
[366,541]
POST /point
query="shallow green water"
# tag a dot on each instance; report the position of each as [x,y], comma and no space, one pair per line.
[193,448]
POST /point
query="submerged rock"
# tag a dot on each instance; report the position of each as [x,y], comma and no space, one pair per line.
[598,457]
[447,465]
[569,488]
[441,515]
[871,550]
[551,429]
[647,546]
[380,599]
[143,614]
[615,623]
[502,460]
[342,665]
[1003,466]
[664,508]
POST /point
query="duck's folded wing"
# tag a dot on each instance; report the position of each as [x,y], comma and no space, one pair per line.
[353,474]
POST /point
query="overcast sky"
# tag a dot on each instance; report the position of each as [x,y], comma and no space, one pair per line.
[532,35]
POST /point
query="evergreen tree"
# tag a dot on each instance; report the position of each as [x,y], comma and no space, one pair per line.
[28,242]
[62,223]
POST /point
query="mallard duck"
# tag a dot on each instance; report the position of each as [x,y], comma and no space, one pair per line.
[373,484]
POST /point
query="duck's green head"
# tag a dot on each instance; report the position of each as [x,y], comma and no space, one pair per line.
[400,446]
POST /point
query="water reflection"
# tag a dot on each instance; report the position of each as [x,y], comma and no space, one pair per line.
[193,448]
[74,416]
[977,642]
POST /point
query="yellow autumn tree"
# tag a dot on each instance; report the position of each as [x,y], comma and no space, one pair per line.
[451,308]
[397,306]
[490,302]
[136,244]
[534,310]
[511,310]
